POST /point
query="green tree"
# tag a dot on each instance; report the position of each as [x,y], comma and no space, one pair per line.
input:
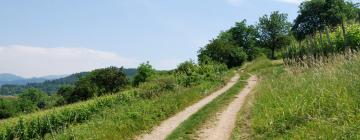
[311,19]
[144,71]
[338,12]
[274,31]
[245,37]
[223,51]
[67,94]
[111,79]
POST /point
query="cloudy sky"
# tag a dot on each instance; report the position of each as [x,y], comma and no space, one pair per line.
[46,37]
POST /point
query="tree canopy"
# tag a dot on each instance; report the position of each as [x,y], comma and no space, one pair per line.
[274,31]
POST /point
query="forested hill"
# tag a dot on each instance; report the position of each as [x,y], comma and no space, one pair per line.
[51,86]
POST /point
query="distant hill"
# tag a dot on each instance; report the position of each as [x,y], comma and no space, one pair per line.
[11,79]
[50,86]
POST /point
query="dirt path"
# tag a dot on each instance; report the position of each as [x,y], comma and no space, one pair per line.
[221,129]
[167,126]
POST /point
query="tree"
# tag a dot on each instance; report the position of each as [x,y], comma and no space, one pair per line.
[274,31]
[111,79]
[96,83]
[245,37]
[144,71]
[223,51]
[338,12]
[67,94]
[311,19]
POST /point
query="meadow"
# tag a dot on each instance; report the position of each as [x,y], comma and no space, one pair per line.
[296,102]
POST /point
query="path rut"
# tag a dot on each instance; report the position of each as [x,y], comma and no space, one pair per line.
[222,128]
[166,127]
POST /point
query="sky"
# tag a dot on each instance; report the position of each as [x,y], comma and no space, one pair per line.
[56,37]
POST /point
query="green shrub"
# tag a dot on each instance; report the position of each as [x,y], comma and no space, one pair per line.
[156,86]
[144,71]
[353,36]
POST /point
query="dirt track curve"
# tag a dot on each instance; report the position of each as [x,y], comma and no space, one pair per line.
[166,127]
[222,128]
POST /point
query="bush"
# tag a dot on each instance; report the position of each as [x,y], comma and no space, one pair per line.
[111,79]
[186,74]
[154,87]
[97,83]
[353,36]
[144,71]
[222,51]
[7,108]
[31,100]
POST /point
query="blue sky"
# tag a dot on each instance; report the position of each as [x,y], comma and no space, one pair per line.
[42,37]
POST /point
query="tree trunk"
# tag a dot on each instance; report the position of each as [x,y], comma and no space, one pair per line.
[344,32]
[314,39]
[321,38]
[328,36]
[273,53]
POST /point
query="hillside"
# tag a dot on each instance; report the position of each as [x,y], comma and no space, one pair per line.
[50,86]
[9,77]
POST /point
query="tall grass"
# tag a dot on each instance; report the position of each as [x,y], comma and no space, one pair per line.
[321,102]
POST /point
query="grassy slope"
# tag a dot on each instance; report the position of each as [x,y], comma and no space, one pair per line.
[311,103]
[187,129]
[127,121]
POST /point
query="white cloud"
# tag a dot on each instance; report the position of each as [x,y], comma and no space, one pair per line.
[32,61]
[296,2]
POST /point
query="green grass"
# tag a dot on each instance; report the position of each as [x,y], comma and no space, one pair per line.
[187,129]
[125,121]
[307,103]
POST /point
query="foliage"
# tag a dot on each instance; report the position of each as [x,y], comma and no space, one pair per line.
[189,74]
[274,31]
[108,80]
[144,71]
[31,100]
[245,36]
[7,108]
[96,83]
[222,51]
[317,52]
